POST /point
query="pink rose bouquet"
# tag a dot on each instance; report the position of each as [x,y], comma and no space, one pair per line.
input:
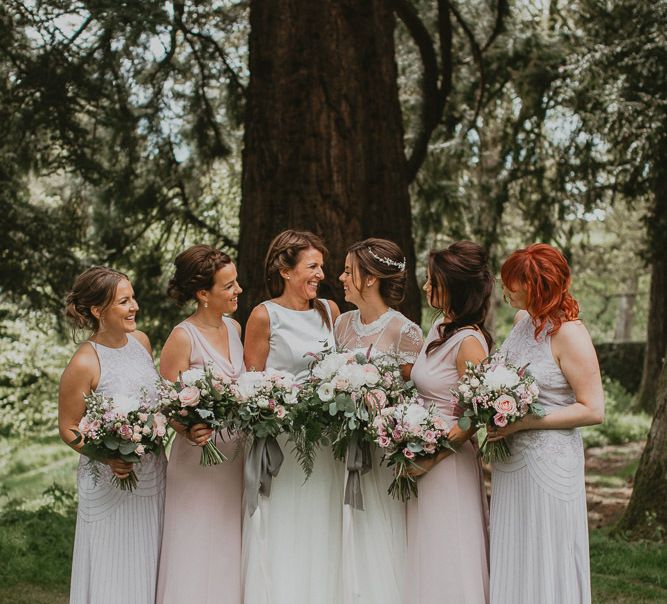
[496,393]
[108,432]
[200,397]
[405,433]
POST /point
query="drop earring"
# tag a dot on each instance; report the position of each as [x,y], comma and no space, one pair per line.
[205,304]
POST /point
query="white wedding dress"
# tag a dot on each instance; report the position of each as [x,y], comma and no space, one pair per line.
[375,539]
[292,542]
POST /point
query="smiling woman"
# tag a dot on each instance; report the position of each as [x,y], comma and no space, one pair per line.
[117,541]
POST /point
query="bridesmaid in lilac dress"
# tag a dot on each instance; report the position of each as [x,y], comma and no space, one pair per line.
[539,532]
[201,546]
[447,523]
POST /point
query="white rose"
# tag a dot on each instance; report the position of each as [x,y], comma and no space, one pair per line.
[464,389]
[414,415]
[474,383]
[354,374]
[329,365]
[263,402]
[248,383]
[326,392]
[190,376]
[495,379]
[372,374]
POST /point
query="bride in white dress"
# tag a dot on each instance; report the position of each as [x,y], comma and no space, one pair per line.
[374,539]
[292,540]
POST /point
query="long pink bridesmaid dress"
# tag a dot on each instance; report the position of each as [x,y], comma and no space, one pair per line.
[448,545]
[200,559]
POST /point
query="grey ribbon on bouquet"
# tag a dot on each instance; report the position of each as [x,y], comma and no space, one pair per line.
[262,464]
[359,461]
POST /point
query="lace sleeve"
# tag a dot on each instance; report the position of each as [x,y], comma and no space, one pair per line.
[341,328]
[410,343]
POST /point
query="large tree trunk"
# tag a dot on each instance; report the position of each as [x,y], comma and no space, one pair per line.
[323,146]
[626,310]
[646,513]
[656,339]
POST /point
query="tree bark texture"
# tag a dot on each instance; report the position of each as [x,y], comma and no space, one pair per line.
[656,337]
[646,514]
[626,310]
[323,144]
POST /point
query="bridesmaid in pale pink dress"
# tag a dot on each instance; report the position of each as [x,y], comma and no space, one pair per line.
[448,522]
[201,545]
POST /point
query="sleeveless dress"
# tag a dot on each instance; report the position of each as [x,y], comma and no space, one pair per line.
[117,541]
[375,539]
[448,523]
[291,544]
[201,547]
[539,528]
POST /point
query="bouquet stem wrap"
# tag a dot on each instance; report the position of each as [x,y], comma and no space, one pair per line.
[262,464]
[359,462]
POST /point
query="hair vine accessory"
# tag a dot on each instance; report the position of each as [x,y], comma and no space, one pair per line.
[388,261]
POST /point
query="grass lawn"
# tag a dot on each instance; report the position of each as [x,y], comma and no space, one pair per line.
[37,527]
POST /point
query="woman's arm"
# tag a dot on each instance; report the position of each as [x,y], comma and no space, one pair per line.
[574,352]
[470,351]
[81,377]
[257,333]
[175,359]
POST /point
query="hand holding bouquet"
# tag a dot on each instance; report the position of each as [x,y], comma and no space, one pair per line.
[200,397]
[494,394]
[109,433]
[405,433]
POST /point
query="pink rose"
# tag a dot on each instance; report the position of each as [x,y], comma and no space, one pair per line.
[189,396]
[136,437]
[218,387]
[397,433]
[95,425]
[143,417]
[439,423]
[125,432]
[173,395]
[500,420]
[140,450]
[272,404]
[429,449]
[408,454]
[84,426]
[183,412]
[430,436]
[375,399]
[384,442]
[280,411]
[505,404]
[160,424]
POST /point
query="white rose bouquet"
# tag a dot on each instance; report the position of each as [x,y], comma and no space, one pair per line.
[406,432]
[264,409]
[496,393]
[342,395]
[109,432]
[200,397]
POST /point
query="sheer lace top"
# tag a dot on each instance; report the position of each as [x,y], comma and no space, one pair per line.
[392,334]
[521,348]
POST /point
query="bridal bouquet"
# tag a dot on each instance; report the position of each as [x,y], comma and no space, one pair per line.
[496,393]
[406,432]
[109,433]
[343,393]
[200,397]
[264,409]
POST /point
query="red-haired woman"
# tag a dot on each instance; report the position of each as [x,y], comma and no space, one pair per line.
[539,533]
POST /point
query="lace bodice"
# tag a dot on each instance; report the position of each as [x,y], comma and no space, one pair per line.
[521,348]
[392,334]
[124,372]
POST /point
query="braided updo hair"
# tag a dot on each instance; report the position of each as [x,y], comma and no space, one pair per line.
[195,270]
[283,254]
[392,278]
[462,282]
[96,286]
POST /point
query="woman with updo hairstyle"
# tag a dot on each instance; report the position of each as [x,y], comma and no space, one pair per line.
[374,538]
[292,538]
[539,529]
[447,523]
[201,547]
[117,540]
